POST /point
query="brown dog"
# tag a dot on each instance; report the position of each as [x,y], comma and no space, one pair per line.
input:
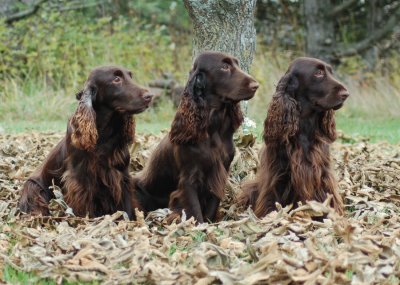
[295,162]
[90,163]
[189,169]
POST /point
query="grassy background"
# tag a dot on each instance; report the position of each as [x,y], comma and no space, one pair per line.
[39,75]
[373,128]
[370,112]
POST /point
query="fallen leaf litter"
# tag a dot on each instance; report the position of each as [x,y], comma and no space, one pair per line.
[363,247]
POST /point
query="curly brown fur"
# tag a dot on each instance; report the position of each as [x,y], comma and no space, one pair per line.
[295,161]
[189,168]
[190,122]
[91,162]
[83,124]
[283,119]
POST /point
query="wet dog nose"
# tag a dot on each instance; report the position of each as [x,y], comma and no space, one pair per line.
[344,94]
[254,86]
[147,96]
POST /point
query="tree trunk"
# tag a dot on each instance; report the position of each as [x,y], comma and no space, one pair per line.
[224,25]
[374,19]
[320,32]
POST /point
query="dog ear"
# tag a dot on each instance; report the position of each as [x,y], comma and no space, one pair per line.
[83,122]
[191,119]
[328,125]
[283,116]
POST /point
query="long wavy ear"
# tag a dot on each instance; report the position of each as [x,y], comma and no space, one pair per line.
[83,122]
[191,119]
[328,125]
[283,116]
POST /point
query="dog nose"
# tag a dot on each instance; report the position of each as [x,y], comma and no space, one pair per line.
[147,96]
[254,86]
[344,94]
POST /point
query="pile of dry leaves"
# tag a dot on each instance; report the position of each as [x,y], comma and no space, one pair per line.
[285,247]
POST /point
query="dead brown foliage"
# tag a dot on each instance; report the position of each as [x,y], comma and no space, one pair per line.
[363,247]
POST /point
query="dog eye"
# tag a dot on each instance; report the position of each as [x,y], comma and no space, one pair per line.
[117,80]
[319,73]
[226,67]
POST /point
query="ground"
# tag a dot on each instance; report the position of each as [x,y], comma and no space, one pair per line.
[362,247]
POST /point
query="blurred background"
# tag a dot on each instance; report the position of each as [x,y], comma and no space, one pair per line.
[48,47]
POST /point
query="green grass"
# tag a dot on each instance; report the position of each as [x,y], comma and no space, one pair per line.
[10,127]
[13,276]
[374,128]
[29,126]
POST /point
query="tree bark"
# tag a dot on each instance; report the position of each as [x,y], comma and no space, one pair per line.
[224,25]
[374,16]
[320,30]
